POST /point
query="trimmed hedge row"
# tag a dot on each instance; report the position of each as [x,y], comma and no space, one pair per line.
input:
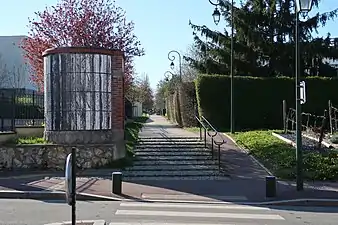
[258,101]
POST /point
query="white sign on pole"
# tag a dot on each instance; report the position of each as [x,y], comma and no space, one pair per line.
[302,90]
[68,179]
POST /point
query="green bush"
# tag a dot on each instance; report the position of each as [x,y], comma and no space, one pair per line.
[258,101]
[280,157]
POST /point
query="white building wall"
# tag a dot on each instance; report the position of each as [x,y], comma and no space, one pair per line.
[137,109]
[12,56]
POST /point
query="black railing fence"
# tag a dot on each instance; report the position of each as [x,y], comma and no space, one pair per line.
[20,107]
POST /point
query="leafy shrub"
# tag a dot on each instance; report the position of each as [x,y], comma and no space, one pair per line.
[280,157]
[258,101]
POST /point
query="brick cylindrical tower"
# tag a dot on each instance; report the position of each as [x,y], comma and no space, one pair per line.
[84,95]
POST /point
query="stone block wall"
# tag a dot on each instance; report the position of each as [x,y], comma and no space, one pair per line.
[50,156]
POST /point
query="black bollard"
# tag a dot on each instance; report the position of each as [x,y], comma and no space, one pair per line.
[270,187]
[117,183]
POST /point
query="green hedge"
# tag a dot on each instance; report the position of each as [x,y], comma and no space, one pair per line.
[258,101]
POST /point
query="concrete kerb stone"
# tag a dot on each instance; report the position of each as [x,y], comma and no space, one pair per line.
[81,222]
[291,202]
[247,152]
[53,195]
[313,202]
[58,195]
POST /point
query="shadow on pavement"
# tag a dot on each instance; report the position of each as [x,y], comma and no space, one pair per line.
[246,183]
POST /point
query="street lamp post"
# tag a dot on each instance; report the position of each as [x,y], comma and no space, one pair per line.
[172,58]
[167,75]
[303,7]
[216,15]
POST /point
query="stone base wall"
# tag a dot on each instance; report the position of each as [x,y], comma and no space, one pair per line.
[51,156]
[84,136]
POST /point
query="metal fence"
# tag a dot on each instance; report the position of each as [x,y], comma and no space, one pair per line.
[20,108]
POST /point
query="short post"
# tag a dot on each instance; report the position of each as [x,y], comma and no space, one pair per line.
[117,183]
[330,116]
[212,147]
[73,185]
[219,157]
[200,130]
[285,116]
[270,187]
[205,138]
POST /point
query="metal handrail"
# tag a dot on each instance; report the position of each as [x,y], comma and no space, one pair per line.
[201,122]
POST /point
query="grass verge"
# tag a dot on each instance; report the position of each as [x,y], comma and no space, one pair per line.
[26,141]
[280,158]
[192,129]
[131,131]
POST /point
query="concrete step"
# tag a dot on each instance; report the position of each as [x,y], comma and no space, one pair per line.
[171,143]
[173,167]
[173,158]
[167,138]
[172,178]
[168,173]
[176,153]
[172,150]
[170,146]
[174,162]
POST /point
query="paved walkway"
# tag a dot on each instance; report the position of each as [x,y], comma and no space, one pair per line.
[158,126]
[246,178]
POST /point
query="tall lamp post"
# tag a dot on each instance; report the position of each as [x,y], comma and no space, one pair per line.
[303,7]
[172,58]
[217,15]
[167,75]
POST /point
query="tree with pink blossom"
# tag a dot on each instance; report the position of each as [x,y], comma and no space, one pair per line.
[88,23]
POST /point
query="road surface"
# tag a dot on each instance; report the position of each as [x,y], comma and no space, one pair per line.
[34,212]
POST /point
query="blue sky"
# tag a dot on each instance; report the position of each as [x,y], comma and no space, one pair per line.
[161,26]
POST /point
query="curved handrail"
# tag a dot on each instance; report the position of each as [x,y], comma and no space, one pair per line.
[209,124]
[212,128]
[201,121]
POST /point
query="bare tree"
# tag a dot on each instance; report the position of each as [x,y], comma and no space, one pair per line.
[4,73]
[17,76]
[188,72]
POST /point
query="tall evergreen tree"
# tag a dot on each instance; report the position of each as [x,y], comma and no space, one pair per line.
[264,41]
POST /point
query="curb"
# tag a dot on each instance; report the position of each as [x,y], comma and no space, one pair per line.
[314,202]
[59,195]
[27,176]
[53,195]
[80,222]
[292,202]
[248,153]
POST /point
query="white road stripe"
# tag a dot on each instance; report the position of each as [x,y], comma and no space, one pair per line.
[191,206]
[156,223]
[198,214]
[193,197]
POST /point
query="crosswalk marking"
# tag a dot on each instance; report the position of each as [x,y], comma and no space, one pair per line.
[198,214]
[192,197]
[156,223]
[191,206]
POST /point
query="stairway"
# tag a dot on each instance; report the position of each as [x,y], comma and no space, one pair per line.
[174,158]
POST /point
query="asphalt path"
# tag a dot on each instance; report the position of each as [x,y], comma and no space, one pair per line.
[35,212]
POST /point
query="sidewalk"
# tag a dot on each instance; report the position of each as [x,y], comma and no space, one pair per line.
[246,181]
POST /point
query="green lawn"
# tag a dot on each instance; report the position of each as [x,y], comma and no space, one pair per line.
[280,157]
[192,129]
[131,133]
